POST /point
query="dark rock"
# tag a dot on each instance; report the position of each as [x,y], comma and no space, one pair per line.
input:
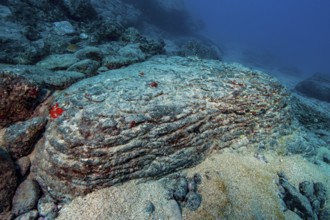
[23,166]
[15,48]
[92,53]
[326,158]
[18,98]
[307,189]
[181,189]
[152,47]
[87,67]
[150,208]
[119,11]
[94,145]
[35,12]
[79,9]
[45,78]
[7,183]
[5,12]
[169,15]
[31,215]
[200,49]
[127,55]
[198,178]
[193,201]
[312,115]
[317,86]
[148,46]
[58,61]
[26,197]
[106,30]
[21,137]
[320,193]
[325,214]
[47,207]
[296,201]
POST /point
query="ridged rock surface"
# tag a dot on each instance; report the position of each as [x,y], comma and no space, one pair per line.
[120,125]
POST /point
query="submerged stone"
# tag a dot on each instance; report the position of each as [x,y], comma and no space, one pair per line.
[198,106]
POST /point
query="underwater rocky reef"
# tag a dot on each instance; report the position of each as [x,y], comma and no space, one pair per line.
[119,109]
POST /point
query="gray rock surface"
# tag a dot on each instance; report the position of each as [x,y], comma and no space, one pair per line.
[45,78]
[20,138]
[47,207]
[4,12]
[313,115]
[7,183]
[23,166]
[87,67]
[317,86]
[124,125]
[26,197]
[118,11]
[57,61]
[63,28]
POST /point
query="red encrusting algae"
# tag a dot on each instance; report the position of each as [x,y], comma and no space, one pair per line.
[55,111]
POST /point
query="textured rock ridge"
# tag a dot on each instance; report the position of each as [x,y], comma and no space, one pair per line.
[152,118]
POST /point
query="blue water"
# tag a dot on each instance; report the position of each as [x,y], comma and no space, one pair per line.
[294,34]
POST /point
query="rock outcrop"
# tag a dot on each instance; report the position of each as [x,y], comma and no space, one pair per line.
[317,86]
[153,118]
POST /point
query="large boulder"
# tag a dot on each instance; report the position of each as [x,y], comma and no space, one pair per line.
[170,16]
[317,86]
[153,118]
[15,47]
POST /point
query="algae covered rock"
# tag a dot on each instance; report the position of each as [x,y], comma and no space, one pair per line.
[18,98]
[153,118]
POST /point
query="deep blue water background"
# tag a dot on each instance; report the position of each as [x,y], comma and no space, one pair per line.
[291,34]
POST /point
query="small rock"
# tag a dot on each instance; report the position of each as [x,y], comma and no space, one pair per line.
[296,201]
[23,165]
[8,181]
[150,208]
[307,189]
[193,201]
[26,197]
[197,178]
[63,28]
[31,215]
[4,11]
[175,210]
[181,189]
[47,207]
[92,53]
[87,66]
[320,193]
[326,158]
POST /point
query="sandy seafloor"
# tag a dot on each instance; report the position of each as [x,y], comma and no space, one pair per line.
[235,185]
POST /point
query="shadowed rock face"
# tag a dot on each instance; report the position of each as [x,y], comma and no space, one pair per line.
[153,118]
